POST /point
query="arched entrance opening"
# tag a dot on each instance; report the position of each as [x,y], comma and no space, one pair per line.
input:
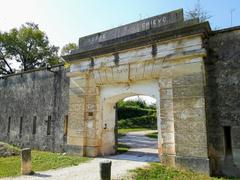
[136,128]
[110,97]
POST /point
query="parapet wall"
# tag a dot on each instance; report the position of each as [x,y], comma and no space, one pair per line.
[33,108]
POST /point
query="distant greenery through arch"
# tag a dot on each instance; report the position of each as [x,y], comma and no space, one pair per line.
[136,114]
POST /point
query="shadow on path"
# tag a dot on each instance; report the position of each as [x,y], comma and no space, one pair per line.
[41,175]
[142,148]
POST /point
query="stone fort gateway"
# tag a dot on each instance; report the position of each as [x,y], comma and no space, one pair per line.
[192,71]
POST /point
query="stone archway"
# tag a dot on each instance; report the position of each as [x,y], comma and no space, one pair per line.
[110,95]
[107,67]
[180,85]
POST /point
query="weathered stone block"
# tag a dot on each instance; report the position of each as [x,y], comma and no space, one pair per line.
[165,83]
[190,125]
[188,91]
[26,161]
[191,138]
[77,107]
[193,163]
[91,133]
[197,150]
[186,69]
[181,104]
[168,137]
[166,93]
[98,40]
[92,142]
[77,132]
[92,151]
[189,80]
[168,159]
[167,126]
[75,149]
[166,115]
[73,99]
[166,104]
[168,148]
[76,121]
[75,140]
[196,113]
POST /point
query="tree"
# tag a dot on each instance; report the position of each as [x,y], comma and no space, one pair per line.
[5,67]
[28,46]
[198,12]
[68,48]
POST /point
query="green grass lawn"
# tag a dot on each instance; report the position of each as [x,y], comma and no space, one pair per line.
[153,135]
[122,132]
[122,148]
[41,161]
[156,171]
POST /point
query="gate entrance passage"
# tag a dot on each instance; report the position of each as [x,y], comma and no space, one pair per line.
[161,57]
[110,96]
[136,129]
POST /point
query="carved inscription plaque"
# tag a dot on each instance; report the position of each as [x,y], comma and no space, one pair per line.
[143,25]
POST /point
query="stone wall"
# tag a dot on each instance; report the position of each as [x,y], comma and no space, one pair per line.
[223,95]
[33,108]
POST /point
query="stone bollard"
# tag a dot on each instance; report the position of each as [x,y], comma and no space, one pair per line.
[26,161]
[105,170]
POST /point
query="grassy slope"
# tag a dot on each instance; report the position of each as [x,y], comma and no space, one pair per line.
[122,132]
[41,161]
[156,171]
[122,148]
[153,135]
[9,149]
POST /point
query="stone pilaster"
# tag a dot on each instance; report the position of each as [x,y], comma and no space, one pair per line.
[76,125]
[189,116]
[91,112]
[167,119]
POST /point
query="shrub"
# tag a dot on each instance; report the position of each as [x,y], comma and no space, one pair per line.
[136,114]
[139,122]
[127,112]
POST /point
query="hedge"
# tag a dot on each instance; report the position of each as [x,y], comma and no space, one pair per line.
[149,121]
[128,112]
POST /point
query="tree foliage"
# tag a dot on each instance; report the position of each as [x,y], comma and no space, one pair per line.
[5,67]
[149,121]
[68,48]
[136,114]
[28,46]
[139,103]
[198,12]
[126,112]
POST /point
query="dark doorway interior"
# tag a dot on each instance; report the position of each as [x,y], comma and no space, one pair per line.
[227,141]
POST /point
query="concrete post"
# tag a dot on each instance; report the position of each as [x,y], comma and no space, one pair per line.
[26,161]
[105,170]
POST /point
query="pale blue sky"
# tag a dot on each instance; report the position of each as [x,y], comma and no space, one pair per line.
[66,20]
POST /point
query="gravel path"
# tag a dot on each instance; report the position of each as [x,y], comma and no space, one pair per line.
[143,150]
